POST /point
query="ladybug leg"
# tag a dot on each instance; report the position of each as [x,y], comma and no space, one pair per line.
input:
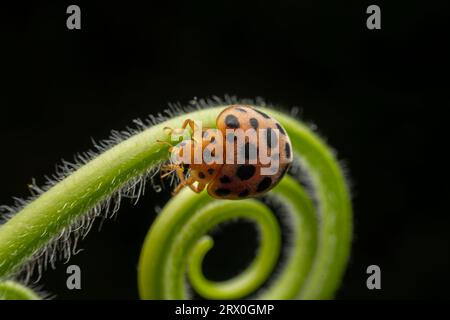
[199,188]
[190,123]
[190,183]
[168,130]
[186,123]
[178,188]
[165,143]
[184,182]
[169,168]
[180,172]
[179,169]
[167,172]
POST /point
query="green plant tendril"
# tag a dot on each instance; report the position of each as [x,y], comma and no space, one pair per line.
[320,243]
[10,290]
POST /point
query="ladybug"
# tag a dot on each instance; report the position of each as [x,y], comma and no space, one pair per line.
[236,179]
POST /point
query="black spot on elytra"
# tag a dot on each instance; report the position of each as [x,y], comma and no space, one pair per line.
[264,184]
[225,179]
[269,134]
[243,193]
[201,175]
[254,123]
[287,149]
[245,171]
[222,192]
[210,171]
[262,113]
[232,121]
[240,109]
[281,129]
[213,139]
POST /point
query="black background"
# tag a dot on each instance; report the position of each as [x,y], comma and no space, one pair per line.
[375,95]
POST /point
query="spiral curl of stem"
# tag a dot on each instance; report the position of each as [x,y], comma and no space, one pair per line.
[320,240]
[177,242]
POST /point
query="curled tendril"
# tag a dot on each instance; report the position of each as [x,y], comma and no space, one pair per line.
[178,240]
[320,242]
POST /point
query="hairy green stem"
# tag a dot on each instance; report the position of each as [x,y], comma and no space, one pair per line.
[36,224]
[177,240]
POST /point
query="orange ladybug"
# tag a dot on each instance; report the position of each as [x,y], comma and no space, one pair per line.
[246,156]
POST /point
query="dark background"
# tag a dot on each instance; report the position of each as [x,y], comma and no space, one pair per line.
[375,96]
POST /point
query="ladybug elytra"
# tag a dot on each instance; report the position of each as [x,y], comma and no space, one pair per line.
[245,156]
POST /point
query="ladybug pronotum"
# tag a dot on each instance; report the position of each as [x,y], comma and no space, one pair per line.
[246,175]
